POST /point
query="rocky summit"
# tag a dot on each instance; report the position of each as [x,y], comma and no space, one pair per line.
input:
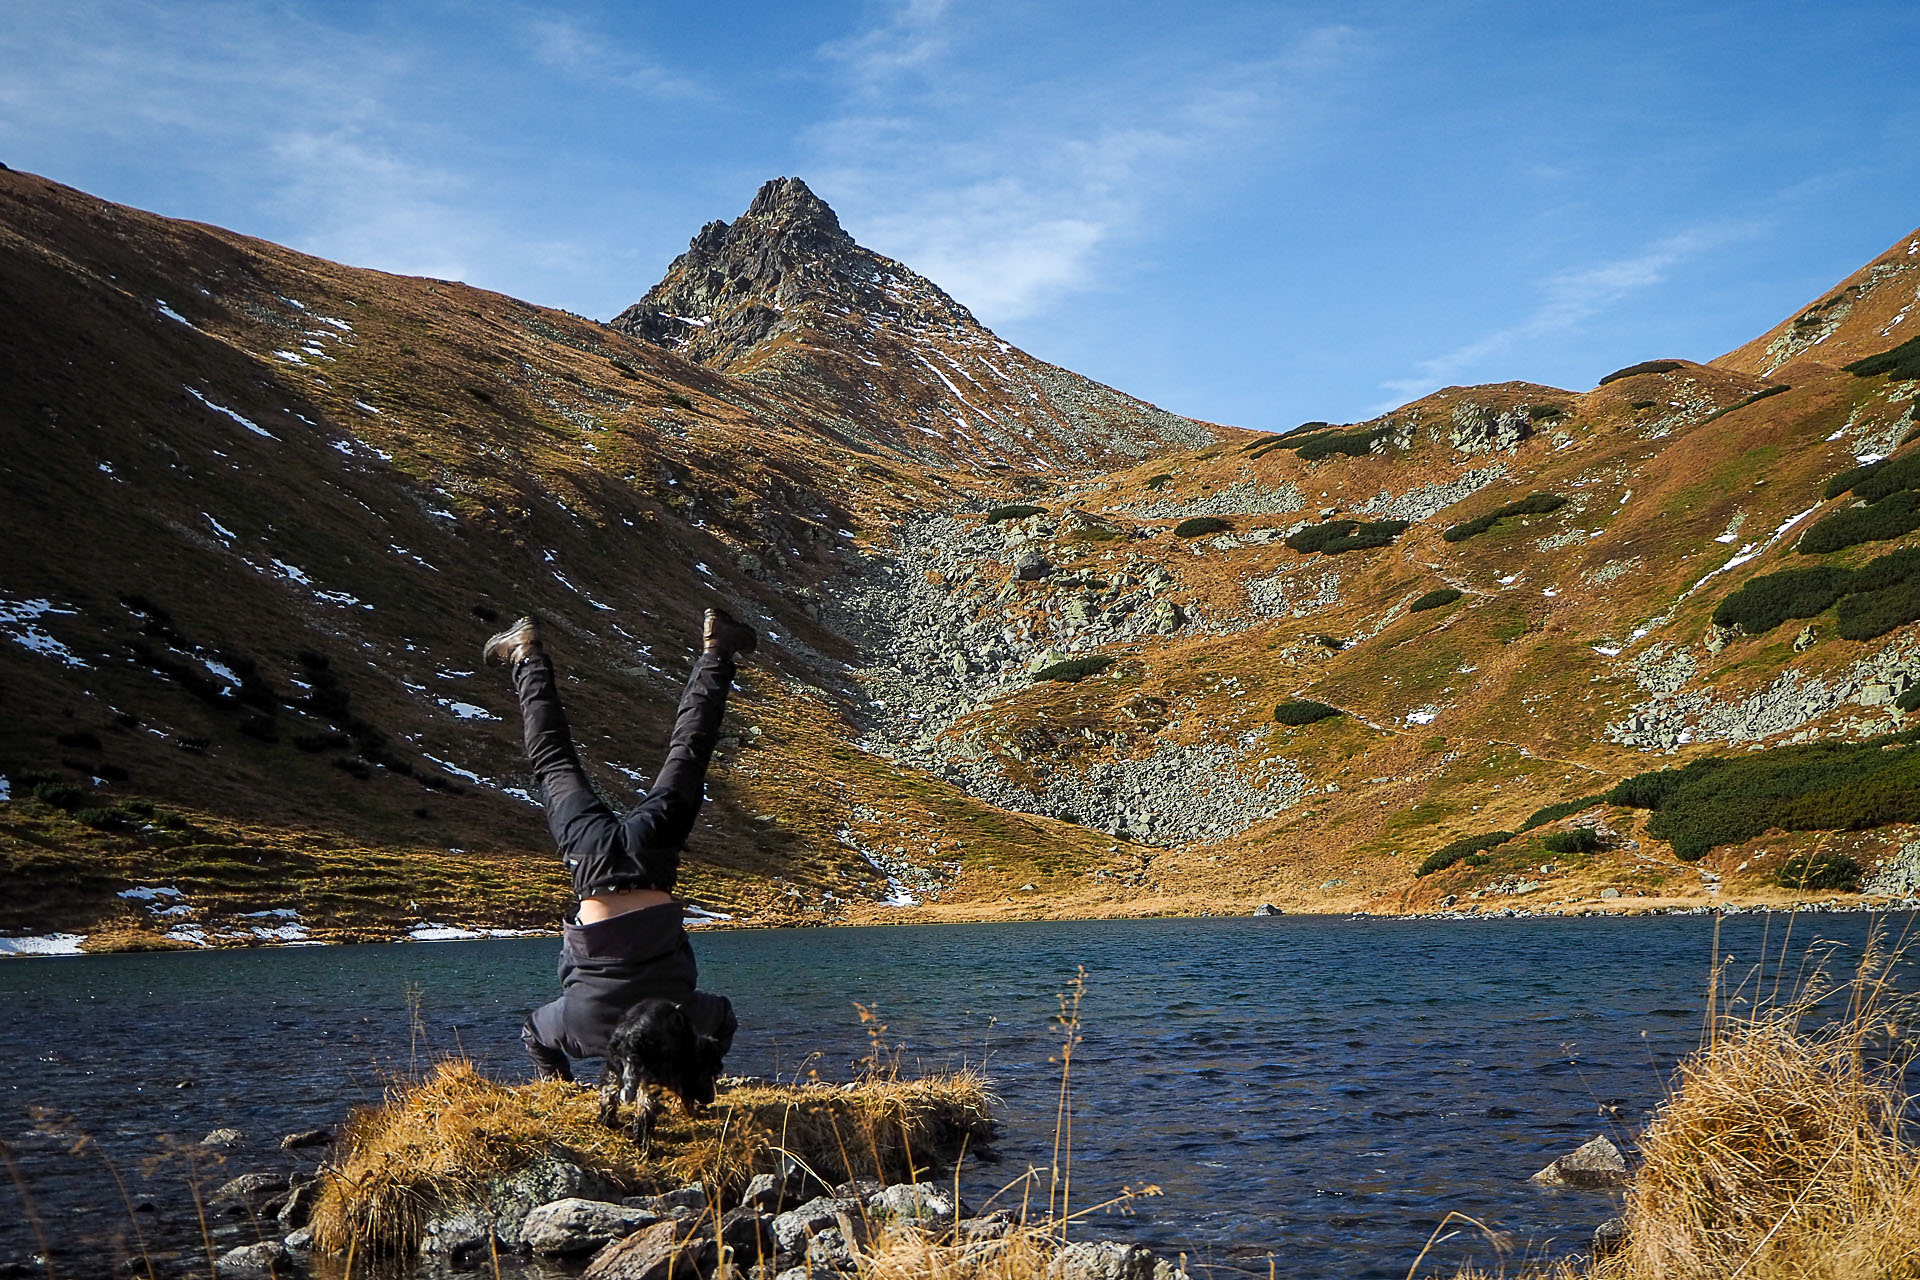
[1033,646]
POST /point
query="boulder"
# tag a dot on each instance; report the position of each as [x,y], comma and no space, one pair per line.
[1166,617]
[774,1192]
[749,1234]
[248,1193]
[300,1241]
[455,1231]
[1031,566]
[792,1229]
[267,1258]
[663,1251]
[917,1201]
[1110,1260]
[1609,1238]
[1267,909]
[1595,1164]
[306,1138]
[688,1202]
[298,1206]
[574,1226]
[223,1138]
[830,1250]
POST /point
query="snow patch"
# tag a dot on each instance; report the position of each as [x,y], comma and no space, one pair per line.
[46,944]
[150,892]
[218,528]
[19,620]
[246,422]
[171,314]
[1425,715]
[466,710]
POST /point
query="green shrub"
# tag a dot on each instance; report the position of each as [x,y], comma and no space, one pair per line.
[1755,398]
[1303,711]
[1545,412]
[1865,615]
[1829,786]
[1902,361]
[1159,481]
[1572,840]
[1352,444]
[1890,517]
[1334,643]
[1635,370]
[1437,599]
[1465,847]
[1336,536]
[626,370]
[314,743]
[1638,405]
[100,818]
[1017,511]
[1555,812]
[79,740]
[1195,526]
[1819,870]
[59,796]
[1910,700]
[678,398]
[1766,602]
[1069,670]
[1534,504]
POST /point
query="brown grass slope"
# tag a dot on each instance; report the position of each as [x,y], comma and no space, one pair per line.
[419,460]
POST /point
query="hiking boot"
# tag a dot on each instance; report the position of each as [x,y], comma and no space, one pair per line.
[516,644]
[723,635]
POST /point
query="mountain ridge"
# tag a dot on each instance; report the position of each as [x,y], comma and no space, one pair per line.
[263,507]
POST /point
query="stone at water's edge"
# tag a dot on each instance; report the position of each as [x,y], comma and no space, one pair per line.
[1110,1260]
[463,1230]
[575,1225]
[1609,1238]
[1596,1164]
[660,1252]
[263,1259]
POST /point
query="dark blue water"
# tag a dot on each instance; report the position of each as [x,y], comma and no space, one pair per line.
[1324,1090]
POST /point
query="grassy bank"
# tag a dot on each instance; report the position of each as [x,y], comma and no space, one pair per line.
[1784,1150]
[447,1138]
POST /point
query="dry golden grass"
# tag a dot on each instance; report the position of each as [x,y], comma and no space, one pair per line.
[440,1140]
[1783,1153]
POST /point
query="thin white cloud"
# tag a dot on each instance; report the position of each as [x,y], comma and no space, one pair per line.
[1010,200]
[559,42]
[1567,300]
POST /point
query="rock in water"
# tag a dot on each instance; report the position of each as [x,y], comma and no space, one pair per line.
[267,1258]
[223,1138]
[1609,1238]
[574,1225]
[659,1252]
[1597,1164]
[306,1138]
[1110,1260]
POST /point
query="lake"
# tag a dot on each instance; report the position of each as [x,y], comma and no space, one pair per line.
[1320,1089]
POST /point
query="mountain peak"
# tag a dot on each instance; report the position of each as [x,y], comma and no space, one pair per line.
[784,296]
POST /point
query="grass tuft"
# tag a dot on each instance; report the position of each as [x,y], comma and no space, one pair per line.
[444,1139]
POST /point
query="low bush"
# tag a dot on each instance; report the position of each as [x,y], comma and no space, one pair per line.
[1635,370]
[1554,812]
[1437,599]
[1876,480]
[100,818]
[1334,643]
[1069,670]
[1902,361]
[1869,614]
[79,740]
[626,370]
[680,399]
[1910,700]
[1196,526]
[59,796]
[1336,536]
[313,743]
[1639,405]
[1766,602]
[1304,711]
[1819,870]
[1545,412]
[1755,398]
[1534,504]
[260,727]
[1465,847]
[1352,444]
[1890,517]
[1016,511]
[1828,786]
[1572,840]
[1159,481]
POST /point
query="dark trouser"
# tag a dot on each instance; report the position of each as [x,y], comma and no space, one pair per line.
[608,853]
[546,1030]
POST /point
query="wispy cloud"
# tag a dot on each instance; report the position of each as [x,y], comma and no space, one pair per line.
[561,43]
[1009,199]
[1567,301]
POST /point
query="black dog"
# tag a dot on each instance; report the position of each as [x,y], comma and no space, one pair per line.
[655,1046]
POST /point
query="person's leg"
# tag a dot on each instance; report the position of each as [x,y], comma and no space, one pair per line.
[541,1034]
[580,821]
[660,822]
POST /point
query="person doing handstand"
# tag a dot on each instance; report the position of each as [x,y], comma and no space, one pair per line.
[627,942]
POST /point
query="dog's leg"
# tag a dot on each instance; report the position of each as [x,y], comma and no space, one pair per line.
[610,1097]
[641,1130]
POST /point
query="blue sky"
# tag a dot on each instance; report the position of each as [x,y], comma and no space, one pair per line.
[1256,213]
